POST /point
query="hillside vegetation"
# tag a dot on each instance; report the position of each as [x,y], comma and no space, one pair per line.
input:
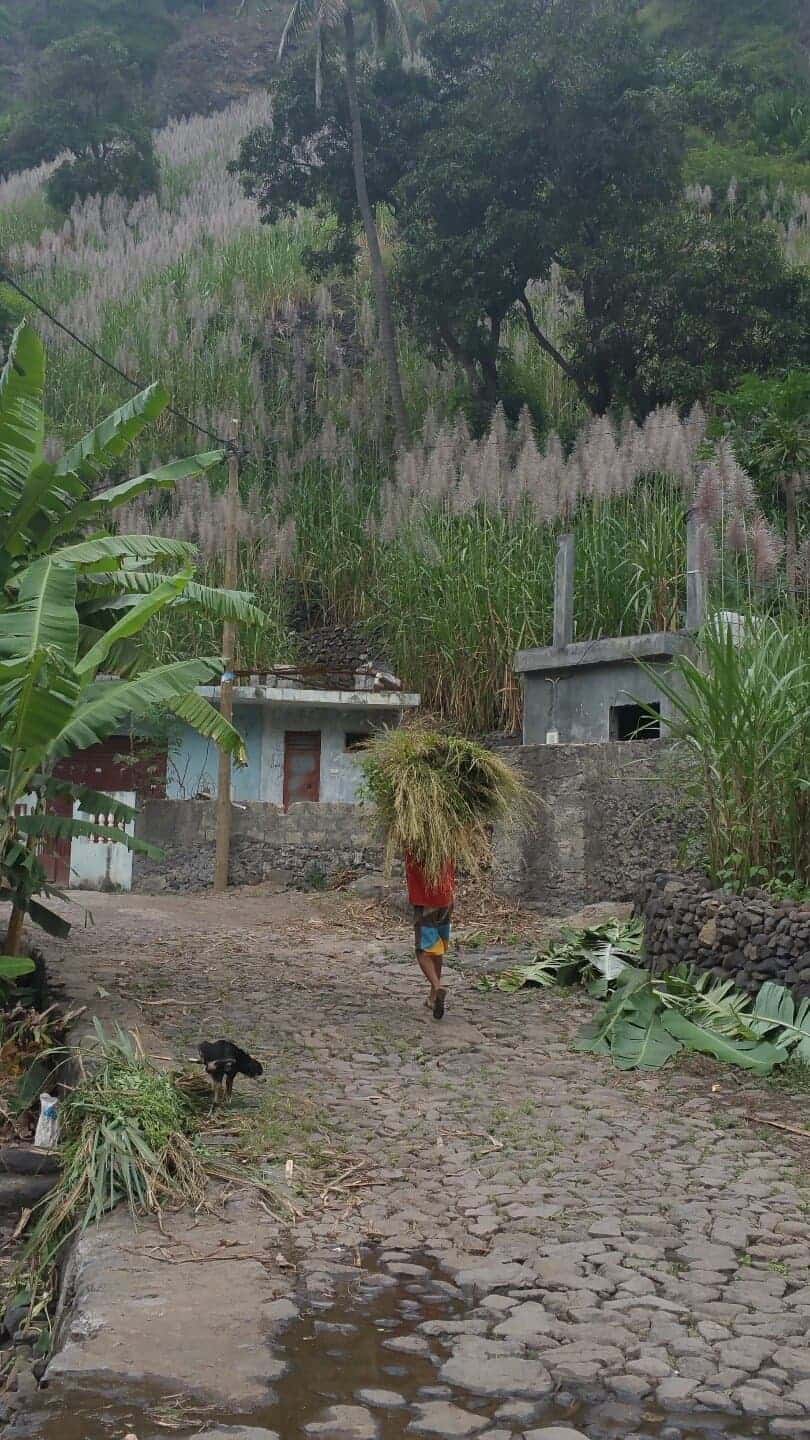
[444,552]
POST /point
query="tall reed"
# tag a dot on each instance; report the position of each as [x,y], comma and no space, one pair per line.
[742,718]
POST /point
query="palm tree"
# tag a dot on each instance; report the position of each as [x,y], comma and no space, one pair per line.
[334,19]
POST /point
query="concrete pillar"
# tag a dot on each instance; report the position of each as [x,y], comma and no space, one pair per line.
[695,582]
[564,592]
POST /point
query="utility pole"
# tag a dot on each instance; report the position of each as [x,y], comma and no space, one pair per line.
[223,851]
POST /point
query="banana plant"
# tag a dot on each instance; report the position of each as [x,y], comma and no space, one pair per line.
[59,510]
[74,600]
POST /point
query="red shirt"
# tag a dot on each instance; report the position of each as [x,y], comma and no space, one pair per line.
[432,897]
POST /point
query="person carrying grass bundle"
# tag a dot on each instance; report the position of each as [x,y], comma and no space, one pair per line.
[432,903]
[438,799]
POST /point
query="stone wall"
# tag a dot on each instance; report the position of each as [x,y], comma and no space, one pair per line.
[606,819]
[607,816]
[748,938]
[307,843]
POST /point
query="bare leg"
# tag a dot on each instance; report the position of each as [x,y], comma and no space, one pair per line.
[431,968]
[439,993]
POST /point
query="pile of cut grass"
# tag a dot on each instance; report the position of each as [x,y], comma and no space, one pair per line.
[127,1136]
[439,797]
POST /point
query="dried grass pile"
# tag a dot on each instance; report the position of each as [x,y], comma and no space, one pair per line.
[439,797]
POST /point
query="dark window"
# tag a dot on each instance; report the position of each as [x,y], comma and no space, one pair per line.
[633,722]
[355,740]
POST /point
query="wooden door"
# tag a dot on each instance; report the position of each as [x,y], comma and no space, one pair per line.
[302,766]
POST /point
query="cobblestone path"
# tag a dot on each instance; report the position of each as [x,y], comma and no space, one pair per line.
[634,1238]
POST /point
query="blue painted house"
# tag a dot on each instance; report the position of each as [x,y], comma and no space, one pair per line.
[303,731]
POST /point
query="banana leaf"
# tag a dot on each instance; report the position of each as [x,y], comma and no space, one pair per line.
[13,966]
[597,1036]
[757,1056]
[48,920]
[67,827]
[93,454]
[641,1042]
[22,423]
[788,1022]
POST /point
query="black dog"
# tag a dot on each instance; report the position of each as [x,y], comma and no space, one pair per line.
[223,1061]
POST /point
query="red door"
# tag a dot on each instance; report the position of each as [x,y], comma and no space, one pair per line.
[302,766]
[53,851]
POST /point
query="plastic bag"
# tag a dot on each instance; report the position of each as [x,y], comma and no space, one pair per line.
[47,1132]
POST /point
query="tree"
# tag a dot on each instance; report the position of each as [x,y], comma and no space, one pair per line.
[125,164]
[87,101]
[74,608]
[769,421]
[684,307]
[305,157]
[333,21]
[554,134]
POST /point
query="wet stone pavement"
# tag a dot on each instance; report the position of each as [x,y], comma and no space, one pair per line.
[525,1243]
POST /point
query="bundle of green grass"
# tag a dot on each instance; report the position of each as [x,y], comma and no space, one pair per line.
[127,1134]
[439,797]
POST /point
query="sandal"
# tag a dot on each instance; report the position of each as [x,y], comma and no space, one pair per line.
[438,1005]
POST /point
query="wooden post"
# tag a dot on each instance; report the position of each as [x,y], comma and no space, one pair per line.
[695,581]
[223,851]
[564,592]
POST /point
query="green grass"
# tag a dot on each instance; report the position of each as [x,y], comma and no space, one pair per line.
[710,161]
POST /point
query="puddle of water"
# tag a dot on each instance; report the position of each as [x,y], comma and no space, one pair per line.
[337,1348]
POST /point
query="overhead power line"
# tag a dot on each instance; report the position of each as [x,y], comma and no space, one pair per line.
[228,445]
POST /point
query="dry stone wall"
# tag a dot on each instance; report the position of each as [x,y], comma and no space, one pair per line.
[748,938]
[306,844]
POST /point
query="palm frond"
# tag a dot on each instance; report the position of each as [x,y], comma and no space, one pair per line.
[92,455]
[302,14]
[22,422]
[196,711]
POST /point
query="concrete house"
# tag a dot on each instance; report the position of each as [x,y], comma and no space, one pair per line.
[593,691]
[303,728]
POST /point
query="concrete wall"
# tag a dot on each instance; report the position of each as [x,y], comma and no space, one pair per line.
[193,762]
[607,817]
[307,843]
[577,702]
